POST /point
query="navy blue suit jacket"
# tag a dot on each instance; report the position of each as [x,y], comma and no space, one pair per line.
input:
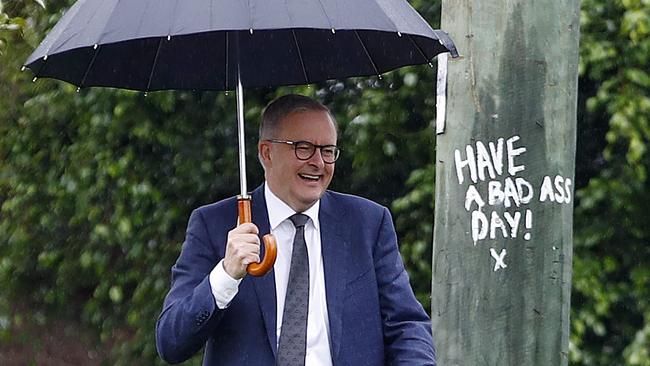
[374,317]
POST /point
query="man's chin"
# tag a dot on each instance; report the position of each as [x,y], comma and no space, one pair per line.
[308,199]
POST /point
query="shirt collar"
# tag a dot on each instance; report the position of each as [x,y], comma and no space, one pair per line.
[280,211]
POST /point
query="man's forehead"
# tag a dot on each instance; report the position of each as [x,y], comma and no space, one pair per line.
[306,117]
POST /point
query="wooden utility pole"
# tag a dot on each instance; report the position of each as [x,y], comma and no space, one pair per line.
[504,187]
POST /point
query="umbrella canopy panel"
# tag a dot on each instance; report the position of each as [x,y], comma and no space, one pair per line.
[175,46]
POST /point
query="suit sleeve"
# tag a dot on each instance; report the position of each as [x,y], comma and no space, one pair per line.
[407,327]
[189,314]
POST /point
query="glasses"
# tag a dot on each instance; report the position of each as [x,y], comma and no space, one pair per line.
[305,150]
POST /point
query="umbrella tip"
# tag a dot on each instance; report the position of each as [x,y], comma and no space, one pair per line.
[169,37]
[78,89]
[251,30]
[333,31]
[23,68]
[146,93]
[45,58]
[34,79]
[399,34]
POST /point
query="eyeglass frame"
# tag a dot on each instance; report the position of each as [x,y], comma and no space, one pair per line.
[314,146]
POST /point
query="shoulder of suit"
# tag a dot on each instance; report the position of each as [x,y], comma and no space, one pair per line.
[225,204]
[353,202]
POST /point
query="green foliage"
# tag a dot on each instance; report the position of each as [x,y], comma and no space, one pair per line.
[96,190]
[96,187]
[610,309]
[11,26]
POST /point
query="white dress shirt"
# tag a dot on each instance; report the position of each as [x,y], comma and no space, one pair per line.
[224,288]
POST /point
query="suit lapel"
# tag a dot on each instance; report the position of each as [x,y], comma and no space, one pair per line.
[265,285]
[334,243]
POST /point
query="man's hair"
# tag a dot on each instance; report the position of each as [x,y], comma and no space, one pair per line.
[284,106]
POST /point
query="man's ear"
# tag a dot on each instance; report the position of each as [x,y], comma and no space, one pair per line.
[264,152]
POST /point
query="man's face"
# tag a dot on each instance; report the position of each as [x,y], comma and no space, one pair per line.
[299,183]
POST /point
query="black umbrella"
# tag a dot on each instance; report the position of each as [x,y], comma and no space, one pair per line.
[150,45]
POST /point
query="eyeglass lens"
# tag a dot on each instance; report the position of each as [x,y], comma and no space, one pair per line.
[305,150]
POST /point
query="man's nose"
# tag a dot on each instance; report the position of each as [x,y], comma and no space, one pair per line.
[317,159]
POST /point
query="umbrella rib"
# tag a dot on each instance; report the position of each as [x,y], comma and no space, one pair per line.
[446,42]
[250,17]
[367,53]
[90,65]
[40,69]
[108,19]
[65,26]
[155,62]
[326,15]
[424,56]
[172,21]
[302,63]
[226,78]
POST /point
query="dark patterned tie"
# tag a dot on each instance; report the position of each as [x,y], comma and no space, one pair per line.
[293,335]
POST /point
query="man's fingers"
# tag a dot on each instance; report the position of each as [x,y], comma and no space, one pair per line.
[245,238]
[244,249]
[250,259]
[247,228]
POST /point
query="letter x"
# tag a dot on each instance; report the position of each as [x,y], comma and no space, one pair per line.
[499,259]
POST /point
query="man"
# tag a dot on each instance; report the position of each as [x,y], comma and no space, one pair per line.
[338,293]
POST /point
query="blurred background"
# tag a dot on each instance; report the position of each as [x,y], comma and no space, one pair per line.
[96,188]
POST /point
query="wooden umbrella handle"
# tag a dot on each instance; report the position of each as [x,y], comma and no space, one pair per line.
[270,245]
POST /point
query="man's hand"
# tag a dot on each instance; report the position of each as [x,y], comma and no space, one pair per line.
[243,248]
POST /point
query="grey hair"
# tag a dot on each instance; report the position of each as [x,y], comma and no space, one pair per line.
[285,105]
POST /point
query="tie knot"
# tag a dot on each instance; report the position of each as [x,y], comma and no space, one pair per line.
[299,220]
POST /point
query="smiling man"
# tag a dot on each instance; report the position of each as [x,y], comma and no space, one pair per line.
[338,293]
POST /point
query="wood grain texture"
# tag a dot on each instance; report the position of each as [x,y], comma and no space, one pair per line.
[506,300]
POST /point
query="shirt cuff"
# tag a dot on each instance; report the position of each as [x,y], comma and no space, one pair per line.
[224,288]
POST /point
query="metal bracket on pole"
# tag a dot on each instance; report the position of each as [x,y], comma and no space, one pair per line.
[441,93]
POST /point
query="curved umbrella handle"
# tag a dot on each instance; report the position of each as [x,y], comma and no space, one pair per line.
[270,245]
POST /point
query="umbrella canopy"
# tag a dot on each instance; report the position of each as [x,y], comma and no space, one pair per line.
[152,45]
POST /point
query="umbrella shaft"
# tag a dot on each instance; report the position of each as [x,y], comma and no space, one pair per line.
[242,145]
